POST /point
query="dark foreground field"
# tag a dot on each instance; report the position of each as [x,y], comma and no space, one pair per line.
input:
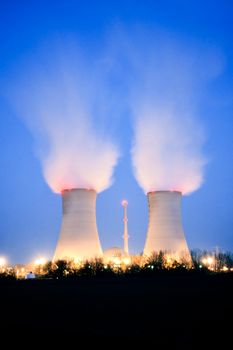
[169,309]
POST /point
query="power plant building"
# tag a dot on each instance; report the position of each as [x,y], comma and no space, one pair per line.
[165,230]
[79,237]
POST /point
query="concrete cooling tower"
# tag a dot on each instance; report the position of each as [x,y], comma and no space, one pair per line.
[165,231]
[79,237]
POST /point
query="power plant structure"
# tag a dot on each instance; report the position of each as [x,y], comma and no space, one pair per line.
[78,239]
[165,230]
[125,236]
[118,255]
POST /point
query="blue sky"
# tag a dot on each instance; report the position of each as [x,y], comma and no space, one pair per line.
[30,212]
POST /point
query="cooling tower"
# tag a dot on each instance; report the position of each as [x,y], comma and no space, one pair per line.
[165,231]
[79,237]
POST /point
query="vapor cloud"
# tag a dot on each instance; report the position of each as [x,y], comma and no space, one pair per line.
[66,99]
[57,96]
[167,151]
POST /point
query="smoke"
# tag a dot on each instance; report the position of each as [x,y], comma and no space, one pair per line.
[57,96]
[171,75]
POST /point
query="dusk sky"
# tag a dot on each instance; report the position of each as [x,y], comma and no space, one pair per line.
[150,55]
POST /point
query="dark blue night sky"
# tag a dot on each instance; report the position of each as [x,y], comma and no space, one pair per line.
[30,213]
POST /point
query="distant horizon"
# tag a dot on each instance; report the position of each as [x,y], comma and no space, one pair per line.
[212,252]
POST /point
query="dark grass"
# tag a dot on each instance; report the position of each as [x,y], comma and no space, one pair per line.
[169,309]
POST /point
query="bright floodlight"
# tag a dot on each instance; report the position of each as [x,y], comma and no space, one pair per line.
[40,261]
[2,261]
[209,260]
[126,261]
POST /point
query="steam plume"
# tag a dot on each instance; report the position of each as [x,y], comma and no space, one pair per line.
[58,100]
[167,150]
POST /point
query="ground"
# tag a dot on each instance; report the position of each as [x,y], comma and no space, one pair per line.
[169,309]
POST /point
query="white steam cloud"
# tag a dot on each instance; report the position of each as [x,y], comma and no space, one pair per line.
[67,101]
[167,152]
[58,100]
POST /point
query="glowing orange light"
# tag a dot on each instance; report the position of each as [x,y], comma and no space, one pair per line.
[210,260]
[126,261]
[2,261]
[225,268]
[116,261]
[40,261]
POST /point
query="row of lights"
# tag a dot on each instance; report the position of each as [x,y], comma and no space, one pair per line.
[208,261]
[20,272]
[42,261]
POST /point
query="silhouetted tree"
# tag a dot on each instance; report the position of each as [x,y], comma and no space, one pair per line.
[59,269]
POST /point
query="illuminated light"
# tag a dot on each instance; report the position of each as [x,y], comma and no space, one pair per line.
[126,261]
[231,269]
[225,268]
[116,261]
[40,261]
[152,267]
[77,261]
[105,266]
[210,260]
[200,266]
[2,262]
[169,260]
[124,202]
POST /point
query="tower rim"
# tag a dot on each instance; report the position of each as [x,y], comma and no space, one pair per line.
[66,190]
[164,191]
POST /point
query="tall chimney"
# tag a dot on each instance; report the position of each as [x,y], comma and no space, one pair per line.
[165,231]
[125,236]
[79,237]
